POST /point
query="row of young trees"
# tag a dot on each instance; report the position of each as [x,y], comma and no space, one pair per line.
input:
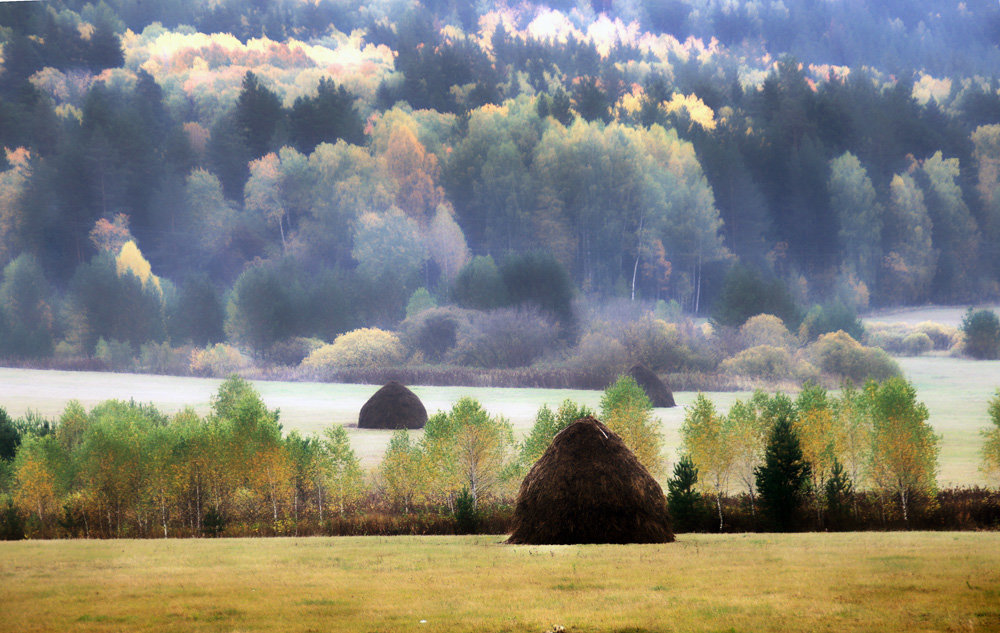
[815,449]
[124,469]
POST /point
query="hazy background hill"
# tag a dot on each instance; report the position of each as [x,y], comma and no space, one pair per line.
[187,173]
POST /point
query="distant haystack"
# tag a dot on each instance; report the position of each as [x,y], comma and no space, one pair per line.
[588,487]
[393,407]
[659,393]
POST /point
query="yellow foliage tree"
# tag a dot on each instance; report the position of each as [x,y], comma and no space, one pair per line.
[130,260]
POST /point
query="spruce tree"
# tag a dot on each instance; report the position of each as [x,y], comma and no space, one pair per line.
[683,501]
[782,480]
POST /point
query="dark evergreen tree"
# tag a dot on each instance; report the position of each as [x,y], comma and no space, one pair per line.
[783,478]
[684,502]
[539,279]
[10,439]
[746,293]
[196,314]
[838,492]
[325,118]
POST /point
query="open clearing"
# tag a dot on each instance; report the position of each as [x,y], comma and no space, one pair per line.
[956,392]
[945,315]
[903,581]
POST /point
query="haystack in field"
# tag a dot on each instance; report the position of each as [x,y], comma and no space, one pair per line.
[393,407]
[659,393]
[588,487]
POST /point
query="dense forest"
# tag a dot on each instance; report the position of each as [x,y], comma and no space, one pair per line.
[269,174]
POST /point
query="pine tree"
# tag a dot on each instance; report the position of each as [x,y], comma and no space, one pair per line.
[783,478]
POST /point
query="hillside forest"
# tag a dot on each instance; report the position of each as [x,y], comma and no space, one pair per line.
[231,182]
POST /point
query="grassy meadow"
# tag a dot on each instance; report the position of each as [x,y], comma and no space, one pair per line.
[801,582]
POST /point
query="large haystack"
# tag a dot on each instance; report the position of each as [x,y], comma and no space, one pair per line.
[659,393]
[393,407]
[588,487]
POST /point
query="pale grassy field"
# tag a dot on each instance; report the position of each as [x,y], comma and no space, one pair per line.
[945,315]
[956,391]
[801,582]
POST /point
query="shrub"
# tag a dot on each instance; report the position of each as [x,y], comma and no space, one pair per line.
[822,319]
[600,353]
[433,332]
[899,339]
[161,358]
[761,361]
[838,353]
[982,334]
[218,360]
[292,351]
[943,336]
[366,347]
[655,343]
[917,343]
[116,355]
[766,329]
[508,337]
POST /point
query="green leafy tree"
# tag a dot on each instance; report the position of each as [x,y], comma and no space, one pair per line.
[479,285]
[982,334]
[784,476]
[196,314]
[400,473]
[853,202]
[954,230]
[468,448]
[25,303]
[910,262]
[627,410]
[547,425]
[266,306]
[704,439]
[341,470]
[904,447]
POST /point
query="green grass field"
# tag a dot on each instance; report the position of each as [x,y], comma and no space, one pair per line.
[955,390]
[802,582]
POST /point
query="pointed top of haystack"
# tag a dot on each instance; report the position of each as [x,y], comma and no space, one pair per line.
[393,407]
[588,487]
[657,390]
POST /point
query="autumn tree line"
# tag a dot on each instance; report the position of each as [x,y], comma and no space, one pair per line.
[858,459]
[255,176]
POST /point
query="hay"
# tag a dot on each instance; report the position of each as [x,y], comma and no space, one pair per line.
[393,407]
[659,393]
[588,487]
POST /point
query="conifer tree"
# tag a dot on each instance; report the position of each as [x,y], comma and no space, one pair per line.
[783,478]
[683,500]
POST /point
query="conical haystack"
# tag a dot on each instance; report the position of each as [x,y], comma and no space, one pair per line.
[393,407]
[588,487]
[659,393]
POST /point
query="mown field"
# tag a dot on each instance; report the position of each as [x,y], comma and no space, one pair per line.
[956,392]
[801,582]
